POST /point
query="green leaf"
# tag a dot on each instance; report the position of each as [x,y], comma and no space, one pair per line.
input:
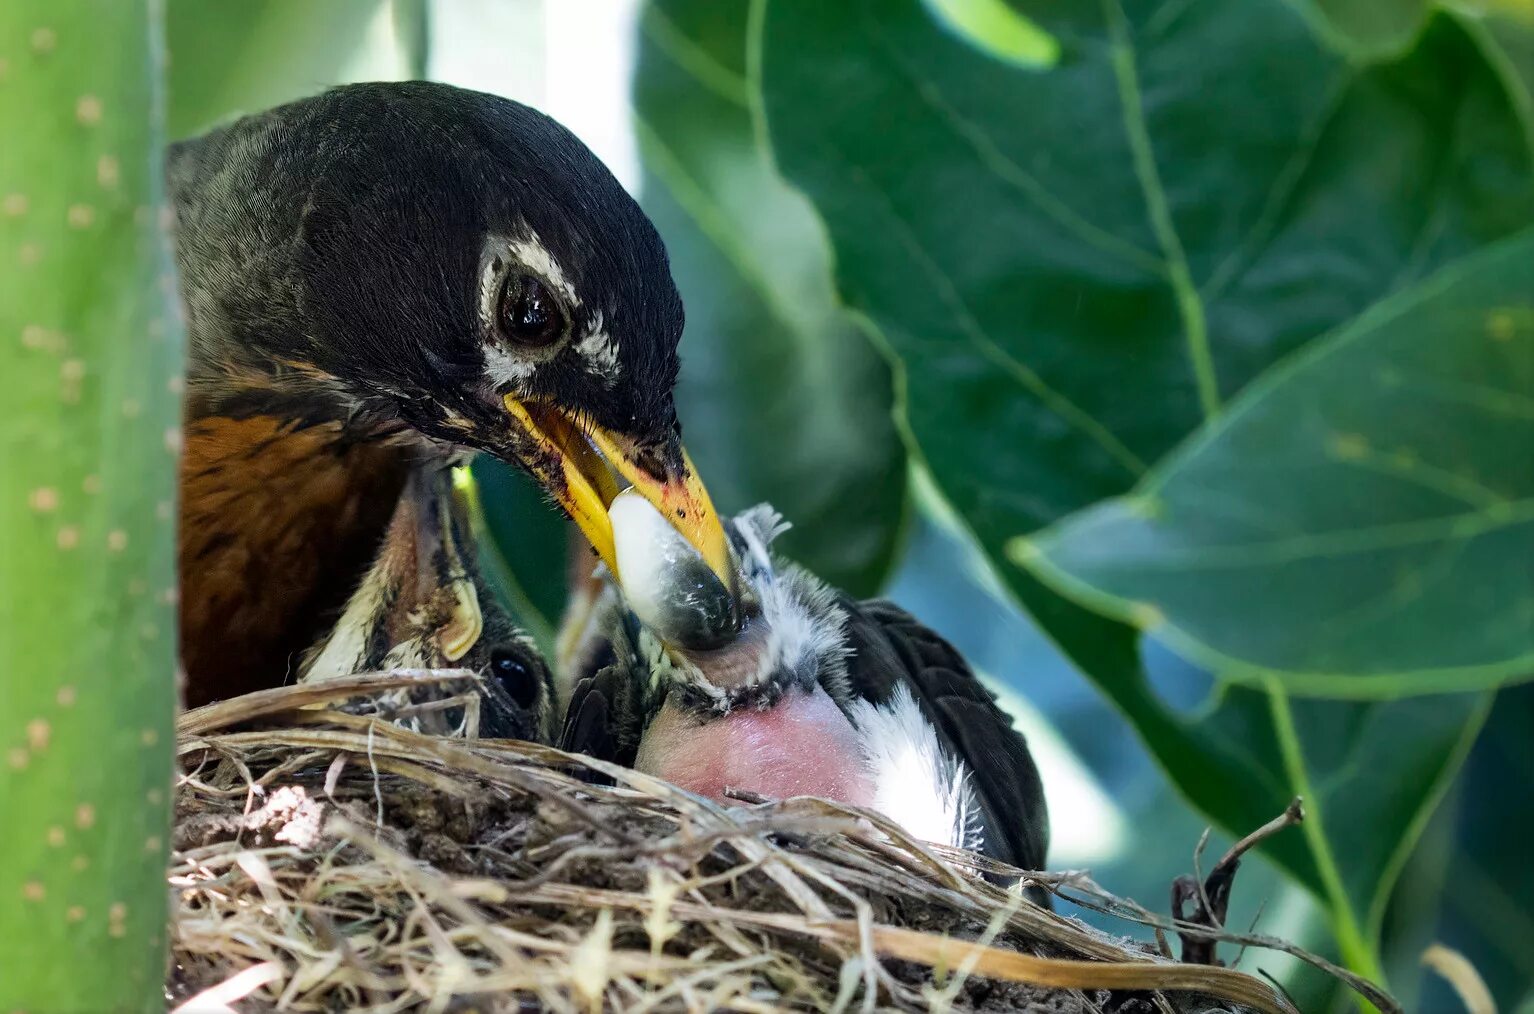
[229,59]
[1370,772]
[1361,522]
[91,352]
[1365,30]
[999,30]
[1077,266]
[782,397]
[1469,885]
[1505,31]
[523,547]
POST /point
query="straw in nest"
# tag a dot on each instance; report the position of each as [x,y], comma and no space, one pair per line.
[327,860]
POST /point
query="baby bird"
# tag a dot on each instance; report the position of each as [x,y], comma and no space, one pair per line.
[815,694]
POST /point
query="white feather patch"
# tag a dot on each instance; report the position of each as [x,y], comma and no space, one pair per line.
[599,351]
[917,784]
[798,634]
[530,252]
[502,368]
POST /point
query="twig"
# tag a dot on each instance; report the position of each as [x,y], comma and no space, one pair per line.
[1212,894]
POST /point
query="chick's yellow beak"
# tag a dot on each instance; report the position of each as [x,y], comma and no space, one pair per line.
[577,465]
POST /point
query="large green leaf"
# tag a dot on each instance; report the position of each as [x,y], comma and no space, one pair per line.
[1361,522]
[90,351]
[781,397]
[1505,31]
[1076,266]
[1470,885]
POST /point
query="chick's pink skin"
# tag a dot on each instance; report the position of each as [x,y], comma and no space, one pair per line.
[802,746]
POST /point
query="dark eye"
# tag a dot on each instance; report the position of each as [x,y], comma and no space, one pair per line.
[529,313]
[514,676]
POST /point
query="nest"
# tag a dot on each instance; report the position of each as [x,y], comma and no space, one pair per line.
[325,860]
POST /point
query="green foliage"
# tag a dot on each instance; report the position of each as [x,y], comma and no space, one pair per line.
[781,396]
[234,58]
[525,550]
[1366,29]
[999,30]
[1362,519]
[89,345]
[1074,268]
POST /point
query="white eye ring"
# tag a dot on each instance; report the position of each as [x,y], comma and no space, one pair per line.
[503,259]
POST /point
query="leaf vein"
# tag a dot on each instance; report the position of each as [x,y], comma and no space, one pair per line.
[1394,598]
[1464,526]
[692,59]
[1189,305]
[1263,230]
[1420,473]
[1005,168]
[706,214]
[980,338]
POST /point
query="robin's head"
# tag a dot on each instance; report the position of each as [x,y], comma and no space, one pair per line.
[418,257]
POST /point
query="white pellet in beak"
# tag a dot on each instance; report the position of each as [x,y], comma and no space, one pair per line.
[665,581]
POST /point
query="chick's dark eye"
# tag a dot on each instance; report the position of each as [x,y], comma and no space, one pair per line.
[514,676]
[529,313]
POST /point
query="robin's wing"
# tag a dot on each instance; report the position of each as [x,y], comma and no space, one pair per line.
[888,646]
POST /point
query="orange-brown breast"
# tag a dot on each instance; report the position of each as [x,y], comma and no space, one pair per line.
[278,523]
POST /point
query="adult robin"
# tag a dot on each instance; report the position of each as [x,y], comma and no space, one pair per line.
[378,281]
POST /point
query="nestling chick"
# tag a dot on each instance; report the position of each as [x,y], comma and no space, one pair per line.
[817,694]
[424,605]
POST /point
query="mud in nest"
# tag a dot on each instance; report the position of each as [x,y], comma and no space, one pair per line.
[329,861]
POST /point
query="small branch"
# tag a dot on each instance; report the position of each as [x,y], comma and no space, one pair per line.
[1211,896]
[1293,814]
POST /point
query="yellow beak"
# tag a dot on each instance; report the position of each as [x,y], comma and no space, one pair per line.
[576,464]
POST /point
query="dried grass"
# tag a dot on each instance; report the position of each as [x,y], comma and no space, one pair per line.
[329,861]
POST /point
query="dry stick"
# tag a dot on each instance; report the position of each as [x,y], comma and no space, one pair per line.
[275,700]
[925,948]
[224,995]
[1213,894]
[1099,900]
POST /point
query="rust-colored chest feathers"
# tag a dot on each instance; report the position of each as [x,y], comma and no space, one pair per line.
[277,523]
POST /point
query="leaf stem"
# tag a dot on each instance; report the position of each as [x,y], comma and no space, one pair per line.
[1357,953]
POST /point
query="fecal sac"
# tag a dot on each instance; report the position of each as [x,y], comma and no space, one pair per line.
[666,583]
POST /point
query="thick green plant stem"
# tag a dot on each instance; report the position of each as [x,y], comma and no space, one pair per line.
[90,352]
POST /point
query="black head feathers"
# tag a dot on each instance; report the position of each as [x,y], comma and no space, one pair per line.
[370,250]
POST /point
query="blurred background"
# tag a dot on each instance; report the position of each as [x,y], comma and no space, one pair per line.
[962,271]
